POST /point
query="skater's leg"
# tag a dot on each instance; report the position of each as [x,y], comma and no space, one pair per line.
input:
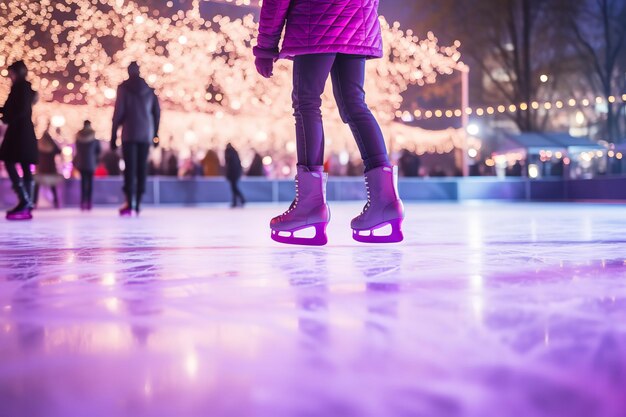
[26,174]
[309,209]
[88,188]
[242,199]
[22,211]
[28,183]
[348,76]
[129,152]
[83,189]
[383,207]
[36,194]
[233,192]
[143,151]
[55,196]
[13,174]
[310,73]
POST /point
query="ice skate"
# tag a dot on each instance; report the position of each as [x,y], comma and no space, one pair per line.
[126,210]
[383,208]
[308,210]
[23,209]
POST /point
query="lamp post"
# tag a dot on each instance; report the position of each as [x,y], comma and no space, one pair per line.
[465,116]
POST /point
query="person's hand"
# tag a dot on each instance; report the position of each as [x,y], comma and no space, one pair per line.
[113,144]
[264,66]
[156,141]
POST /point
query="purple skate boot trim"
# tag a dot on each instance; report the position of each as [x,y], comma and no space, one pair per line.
[320,238]
[308,210]
[369,236]
[383,208]
[20,215]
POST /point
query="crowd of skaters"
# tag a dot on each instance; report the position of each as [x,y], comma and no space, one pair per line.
[31,163]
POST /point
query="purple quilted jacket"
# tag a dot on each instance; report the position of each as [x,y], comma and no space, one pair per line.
[319,26]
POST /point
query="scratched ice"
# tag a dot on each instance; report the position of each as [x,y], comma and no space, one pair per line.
[485,310]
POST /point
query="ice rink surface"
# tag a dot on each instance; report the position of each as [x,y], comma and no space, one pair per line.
[485,310]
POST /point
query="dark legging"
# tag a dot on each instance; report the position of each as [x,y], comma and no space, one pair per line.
[347,72]
[236,192]
[136,169]
[86,186]
[15,177]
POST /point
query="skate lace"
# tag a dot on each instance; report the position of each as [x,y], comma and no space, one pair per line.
[369,201]
[295,201]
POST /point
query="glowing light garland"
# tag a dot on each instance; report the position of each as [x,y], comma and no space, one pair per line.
[202,70]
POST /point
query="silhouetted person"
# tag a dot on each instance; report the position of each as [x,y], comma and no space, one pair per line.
[557,168]
[111,163]
[256,166]
[20,143]
[516,169]
[172,165]
[234,171]
[85,161]
[211,164]
[47,173]
[409,163]
[137,111]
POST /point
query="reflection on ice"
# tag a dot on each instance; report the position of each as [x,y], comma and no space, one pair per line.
[483,311]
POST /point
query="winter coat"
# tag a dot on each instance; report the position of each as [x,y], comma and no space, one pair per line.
[319,26]
[48,150]
[20,142]
[137,111]
[87,151]
[211,164]
[256,167]
[234,170]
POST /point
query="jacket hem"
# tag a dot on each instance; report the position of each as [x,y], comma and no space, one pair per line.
[369,52]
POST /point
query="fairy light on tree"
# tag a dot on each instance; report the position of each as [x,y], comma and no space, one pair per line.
[202,68]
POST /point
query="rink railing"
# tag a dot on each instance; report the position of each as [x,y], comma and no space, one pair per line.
[172,191]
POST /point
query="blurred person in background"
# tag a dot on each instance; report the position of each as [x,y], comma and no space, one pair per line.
[256,168]
[138,112]
[211,164]
[409,163]
[47,173]
[19,146]
[85,161]
[110,164]
[234,171]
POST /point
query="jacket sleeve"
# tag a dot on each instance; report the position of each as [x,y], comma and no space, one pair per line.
[156,114]
[119,112]
[98,149]
[271,24]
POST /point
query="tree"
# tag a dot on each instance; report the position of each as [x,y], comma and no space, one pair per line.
[600,33]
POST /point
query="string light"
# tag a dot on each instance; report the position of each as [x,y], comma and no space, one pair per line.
[200,68]
[512,108]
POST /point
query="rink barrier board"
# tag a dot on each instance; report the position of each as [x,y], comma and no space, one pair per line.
[171,191]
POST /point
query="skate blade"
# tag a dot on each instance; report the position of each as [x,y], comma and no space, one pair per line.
[320,238]
[126,213]
[395,236]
